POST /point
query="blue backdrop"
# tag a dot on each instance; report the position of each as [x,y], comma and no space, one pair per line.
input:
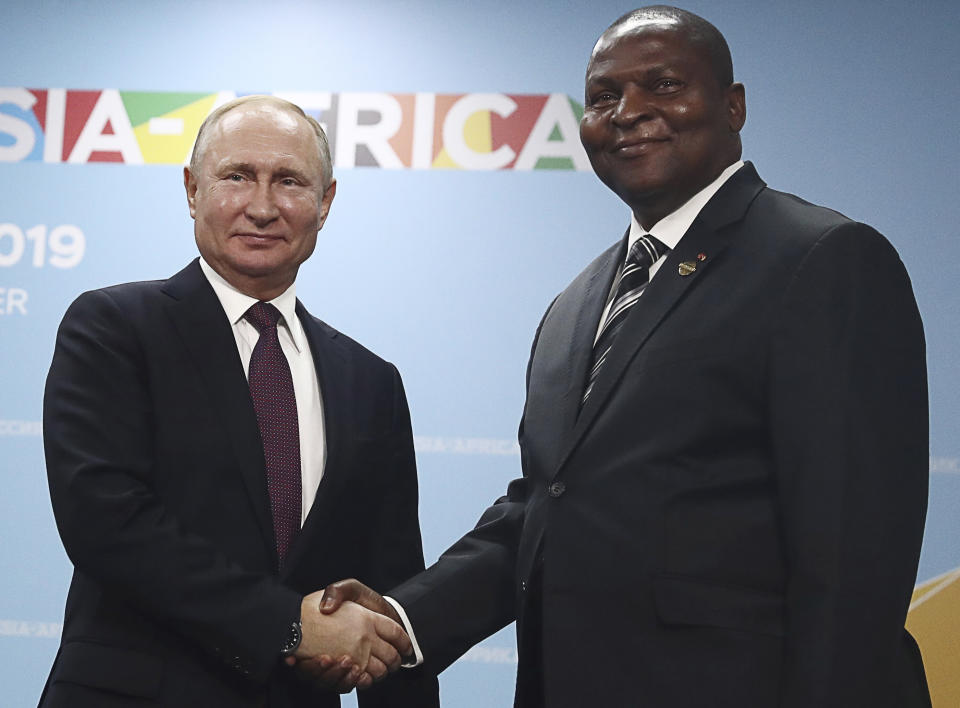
[851,104]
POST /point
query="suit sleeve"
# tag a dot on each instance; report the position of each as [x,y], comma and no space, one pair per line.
[470,592]
[849,433]
[99,443]
[398,553]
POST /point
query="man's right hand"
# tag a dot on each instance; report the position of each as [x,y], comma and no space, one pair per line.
[364,645]
[352,590]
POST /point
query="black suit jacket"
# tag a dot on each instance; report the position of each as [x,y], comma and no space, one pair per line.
[158,484]
[734,518]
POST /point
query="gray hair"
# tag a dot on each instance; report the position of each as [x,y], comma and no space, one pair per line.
[323,146]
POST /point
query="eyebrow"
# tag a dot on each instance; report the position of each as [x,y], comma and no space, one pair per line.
[290,172]
[248,168]
[646,72]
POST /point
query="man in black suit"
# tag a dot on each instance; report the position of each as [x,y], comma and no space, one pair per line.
[722,500]
[193,502]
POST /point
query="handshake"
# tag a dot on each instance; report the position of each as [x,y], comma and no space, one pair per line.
[351,637]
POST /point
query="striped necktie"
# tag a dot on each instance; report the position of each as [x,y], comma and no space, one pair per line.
[633,279]
[271,387]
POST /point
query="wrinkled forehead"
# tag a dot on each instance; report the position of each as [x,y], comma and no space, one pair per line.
[263,134]
[265,116]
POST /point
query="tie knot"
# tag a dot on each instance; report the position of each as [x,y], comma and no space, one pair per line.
[645,251]
[262,315]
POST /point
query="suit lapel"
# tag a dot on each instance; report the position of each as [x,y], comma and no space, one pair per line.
[560,359]
[333,377]
[199,319]
[592,301]
[707,237]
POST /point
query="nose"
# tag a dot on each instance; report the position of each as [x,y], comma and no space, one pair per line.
[632,107]
[262,207]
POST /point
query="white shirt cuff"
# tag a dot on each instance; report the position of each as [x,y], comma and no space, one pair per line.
[409,630]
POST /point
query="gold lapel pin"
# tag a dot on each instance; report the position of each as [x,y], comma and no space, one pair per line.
[687,267]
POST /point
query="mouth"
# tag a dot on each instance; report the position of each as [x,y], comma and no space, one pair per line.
[633,147]
[257,239]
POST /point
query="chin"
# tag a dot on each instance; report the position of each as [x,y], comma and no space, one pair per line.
[254,266]
[638,194]
[636,184]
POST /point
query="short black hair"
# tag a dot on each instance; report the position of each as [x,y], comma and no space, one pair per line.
[697,29]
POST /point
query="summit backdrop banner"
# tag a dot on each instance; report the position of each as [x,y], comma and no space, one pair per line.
[465,203]
[392,131]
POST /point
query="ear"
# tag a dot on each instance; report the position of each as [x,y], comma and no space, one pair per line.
[325,201]
[736,107]
[190,184]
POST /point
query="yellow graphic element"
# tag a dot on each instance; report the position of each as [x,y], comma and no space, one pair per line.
[477,134]
[934,621]
[168,139]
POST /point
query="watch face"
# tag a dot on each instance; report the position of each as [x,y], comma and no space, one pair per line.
[293,639]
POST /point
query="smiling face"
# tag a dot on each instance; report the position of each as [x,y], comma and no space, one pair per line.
[257,197]
[658,124]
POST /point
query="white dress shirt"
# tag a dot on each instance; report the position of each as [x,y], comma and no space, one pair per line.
[306,386]
[668,231]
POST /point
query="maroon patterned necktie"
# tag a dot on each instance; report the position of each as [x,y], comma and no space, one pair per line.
[271,387]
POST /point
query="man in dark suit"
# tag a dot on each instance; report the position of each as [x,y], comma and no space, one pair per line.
[192,501]
[724,442]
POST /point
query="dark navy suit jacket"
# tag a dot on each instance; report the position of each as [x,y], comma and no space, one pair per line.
[159,490]
[734,518]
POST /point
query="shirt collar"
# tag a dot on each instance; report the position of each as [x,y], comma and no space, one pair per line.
[671,228]
[235,303]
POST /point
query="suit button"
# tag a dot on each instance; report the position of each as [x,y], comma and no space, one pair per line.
[523,586]
[556,489]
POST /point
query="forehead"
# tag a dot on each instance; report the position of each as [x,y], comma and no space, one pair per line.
[646,44]
[263,132]
[635,25]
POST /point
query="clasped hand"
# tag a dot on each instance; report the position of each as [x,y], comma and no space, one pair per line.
[351,642]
